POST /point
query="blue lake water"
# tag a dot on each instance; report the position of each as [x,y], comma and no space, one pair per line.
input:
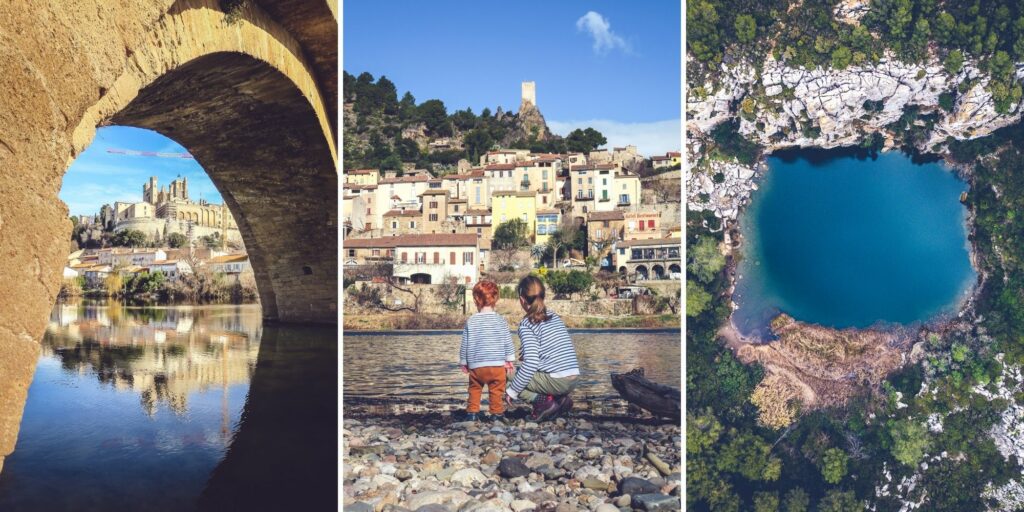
[842,241]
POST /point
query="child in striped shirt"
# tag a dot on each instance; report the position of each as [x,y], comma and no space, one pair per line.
[486,353]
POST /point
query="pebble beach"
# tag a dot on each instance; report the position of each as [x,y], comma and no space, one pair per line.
[433,462]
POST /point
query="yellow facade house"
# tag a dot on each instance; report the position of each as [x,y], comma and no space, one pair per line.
[362,176]
[509,204]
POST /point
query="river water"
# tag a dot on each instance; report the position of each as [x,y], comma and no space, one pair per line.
[843,241]
[176,408]
[412,372]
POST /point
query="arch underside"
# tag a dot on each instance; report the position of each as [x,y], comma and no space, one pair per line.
[249,98]
[263,147]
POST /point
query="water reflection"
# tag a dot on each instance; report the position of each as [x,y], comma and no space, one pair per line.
[163,354]
[143,408]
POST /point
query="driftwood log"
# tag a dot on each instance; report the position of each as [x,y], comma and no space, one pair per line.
[658,399]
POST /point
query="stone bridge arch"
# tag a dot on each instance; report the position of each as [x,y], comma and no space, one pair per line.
[251,94]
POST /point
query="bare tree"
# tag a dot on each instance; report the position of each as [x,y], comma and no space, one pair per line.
[504,259]
[608,281]
[382,273]
[451,293]
[565,236]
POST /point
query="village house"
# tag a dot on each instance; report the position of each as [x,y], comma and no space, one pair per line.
[504,156]
[598,157]
[231,265]
[547,224]
[433,259]
[357,207]
[575,159]
[400,222]
[508,205]
[362,177]
[435,210]
[171,269]
[592,188]
[540,175]
[96,274]
[478,191]
[369,251]
[642,225]
[457,211]
[671,159]
[626,156]
[656,258]
[478,221]
[500,178]
[604,230]
[398,193]
[456,185]
[119,256]
[627,190]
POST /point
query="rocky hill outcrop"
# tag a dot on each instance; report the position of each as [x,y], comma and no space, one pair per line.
[782,107]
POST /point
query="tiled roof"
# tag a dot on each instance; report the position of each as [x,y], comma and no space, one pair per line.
[525,193]
[649,242]
[229,258]
[592,167]
[611,215]
[403,213]
[369,243]
[436,240]
[419,178]
[500,167]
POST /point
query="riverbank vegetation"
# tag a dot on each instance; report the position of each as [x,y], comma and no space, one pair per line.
[200,288]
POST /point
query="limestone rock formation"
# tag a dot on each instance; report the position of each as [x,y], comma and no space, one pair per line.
[828,365]
[529,121]
[828,108]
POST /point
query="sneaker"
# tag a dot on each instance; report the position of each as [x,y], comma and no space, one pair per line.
[564,404]
[543,408]
[471,416]
[493,418]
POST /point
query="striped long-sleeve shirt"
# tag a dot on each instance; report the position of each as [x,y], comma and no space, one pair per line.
[544,347]
[486,341]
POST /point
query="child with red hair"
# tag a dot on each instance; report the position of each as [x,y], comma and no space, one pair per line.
[486,353]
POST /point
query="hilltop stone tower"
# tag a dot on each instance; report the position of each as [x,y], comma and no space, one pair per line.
[529,94]
[149,191]
[529,119]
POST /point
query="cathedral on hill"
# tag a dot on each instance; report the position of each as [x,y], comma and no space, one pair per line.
[166,210]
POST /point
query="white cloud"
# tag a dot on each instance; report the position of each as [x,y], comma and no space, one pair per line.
[600,29]
[653,138]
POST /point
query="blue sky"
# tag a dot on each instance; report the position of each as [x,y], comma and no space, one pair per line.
[97,177]
[612,65]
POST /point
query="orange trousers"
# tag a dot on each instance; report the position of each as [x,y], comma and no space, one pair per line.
[494,378]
